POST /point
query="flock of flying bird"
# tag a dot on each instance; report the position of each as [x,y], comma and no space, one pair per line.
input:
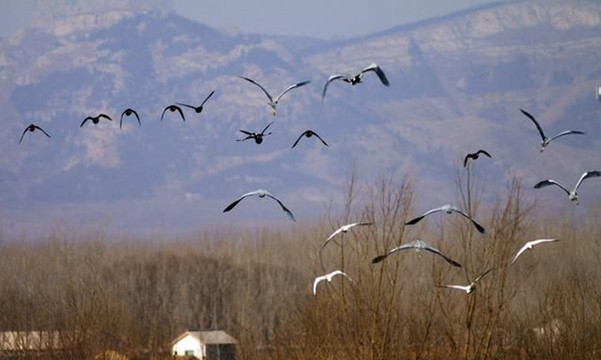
[354,79]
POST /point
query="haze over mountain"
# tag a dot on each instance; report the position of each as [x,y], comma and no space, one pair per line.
[457,84]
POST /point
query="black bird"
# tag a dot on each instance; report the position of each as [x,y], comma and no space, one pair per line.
[546,140]
[355,79]
[198,109]
[258,137]
[274,102]
[475,156]
[96,119]
[173,108]
[129,112]
[32,128]
[308,134]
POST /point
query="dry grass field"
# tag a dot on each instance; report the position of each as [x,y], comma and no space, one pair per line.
[135,295]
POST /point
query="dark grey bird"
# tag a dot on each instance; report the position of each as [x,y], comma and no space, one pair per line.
[258,137]
[546,140]
[173,108]
[261,193]
[573,194]
[472,286]
[355,79]
[128,112]
[475,156]
[198,109]
[308,134]
[273,103]
[95,120]
[32,128]
[448,208]
[418,246]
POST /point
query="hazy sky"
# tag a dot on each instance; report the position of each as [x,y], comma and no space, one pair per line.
[317,18]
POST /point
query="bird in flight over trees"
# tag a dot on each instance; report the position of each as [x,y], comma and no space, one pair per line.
[475,156]
[529,245]
[546,140]
[32,128]
[572,195]
[95,120]
[355,79]
[328,277]
[469,288]
[448,208]
[274,102]
[344,229]
[418,246]
[261,193]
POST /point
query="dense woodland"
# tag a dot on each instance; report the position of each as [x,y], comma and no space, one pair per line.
[135,295]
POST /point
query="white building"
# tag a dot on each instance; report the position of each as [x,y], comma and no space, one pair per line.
[209,345]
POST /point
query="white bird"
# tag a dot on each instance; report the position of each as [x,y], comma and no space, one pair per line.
[546,140]
[448,208]
[469,288]
[329,278]
[598,92]
[344,229]
[572,195]
[355,79]
[261,193]
[418,246]
[274,102]
[529,245]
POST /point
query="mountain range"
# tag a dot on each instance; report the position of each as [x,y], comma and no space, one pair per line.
[457,84]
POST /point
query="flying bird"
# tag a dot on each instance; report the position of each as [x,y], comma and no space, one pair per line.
[418,246]
[475,156]
[471,287]
[261,193]
[355,79]
[448,208]
[173,108]
[258,137]
[546,140]
[274,102]
[32,128]
[344,229]
[529,245]
[308,134]
[128,112]
[329,278]
[95,120]
[572,195]
[198,109]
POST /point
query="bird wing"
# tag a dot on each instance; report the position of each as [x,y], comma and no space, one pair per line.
[137,117]
[207,98]
[317,281]
[379,258]
[459,287]
[86,119]
[105,116]
[164,110]
[22,135]
[181,113]
[479,227]
[467,157]
[338,231]
[586,175]
[42,130]
[290,214]
[297,140]
[567,132]
[266,127]
[232,205]
[330,79]
[540,129]
[548,182]
[418,219]
[378,70]
[326,144]
[259,85]
[437,252]
[482,275]
[187,105]
[483,152]
[290,88]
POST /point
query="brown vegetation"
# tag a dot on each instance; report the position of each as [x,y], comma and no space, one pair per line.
[135,296]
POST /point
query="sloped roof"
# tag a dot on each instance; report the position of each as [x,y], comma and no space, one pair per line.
[216,337]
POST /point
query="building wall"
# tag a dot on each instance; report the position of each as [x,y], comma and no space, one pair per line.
[188,343]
